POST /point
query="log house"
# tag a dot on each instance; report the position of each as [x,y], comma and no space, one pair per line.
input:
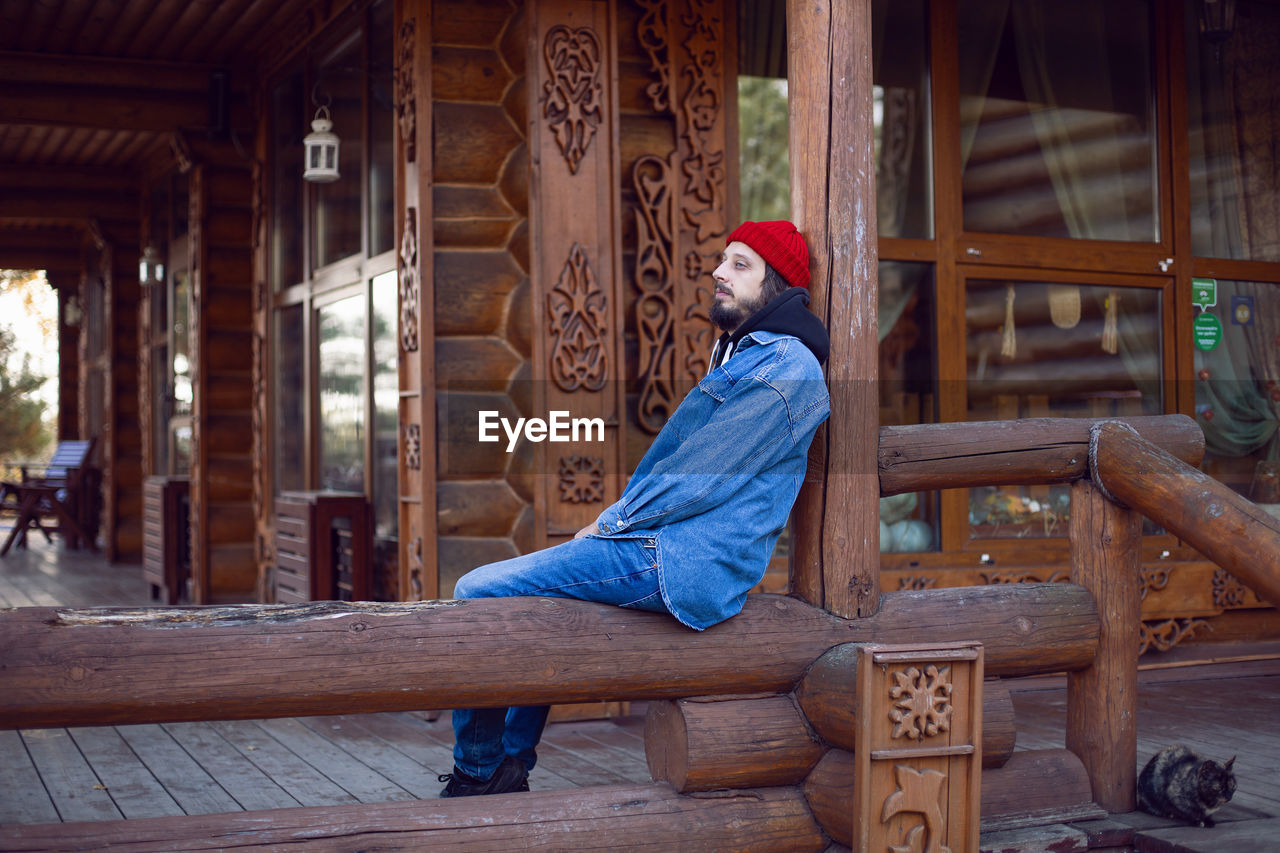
[467,164]
[503,162]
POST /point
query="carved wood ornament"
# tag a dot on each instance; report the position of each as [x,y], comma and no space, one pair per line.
[410,291]
[652,34]
[918,792]
[1154,579]
[572,97]
[655,278]
[1163,635]
[703,176]
[582,479]
[577,314]
[1025,577]
[413,447]
[405,94]
[921,702]
[1227,591]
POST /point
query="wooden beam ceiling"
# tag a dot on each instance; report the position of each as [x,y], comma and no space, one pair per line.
[54,248]
[114,94]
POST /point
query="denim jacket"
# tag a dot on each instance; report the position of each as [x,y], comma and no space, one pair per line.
[716,486]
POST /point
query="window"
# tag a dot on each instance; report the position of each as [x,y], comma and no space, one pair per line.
[1057,119]
[342,394]
[1232,77]
[1038,349]
[1238,388]
[335,393]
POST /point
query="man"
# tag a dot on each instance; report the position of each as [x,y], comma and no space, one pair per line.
[697,522]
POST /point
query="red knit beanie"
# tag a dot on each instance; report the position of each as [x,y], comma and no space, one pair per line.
[781,245]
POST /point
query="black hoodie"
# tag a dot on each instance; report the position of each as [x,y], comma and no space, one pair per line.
[786,314]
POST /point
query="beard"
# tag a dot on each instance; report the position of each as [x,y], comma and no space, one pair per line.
[730,315]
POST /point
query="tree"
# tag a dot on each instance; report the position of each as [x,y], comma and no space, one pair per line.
[23,430]
[762,152]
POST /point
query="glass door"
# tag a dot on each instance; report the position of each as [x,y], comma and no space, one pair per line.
[1040,344]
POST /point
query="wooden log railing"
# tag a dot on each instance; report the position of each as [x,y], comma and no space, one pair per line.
[97,667]
[1011,453]
[1228,529]
[109,666]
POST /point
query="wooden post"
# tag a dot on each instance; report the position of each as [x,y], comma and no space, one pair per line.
[837,537]
[1102,700]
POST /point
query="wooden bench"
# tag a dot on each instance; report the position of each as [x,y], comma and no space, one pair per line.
[57,490]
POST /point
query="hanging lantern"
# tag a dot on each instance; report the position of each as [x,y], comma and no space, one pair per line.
[1217,23]
[321,154]
[150,267]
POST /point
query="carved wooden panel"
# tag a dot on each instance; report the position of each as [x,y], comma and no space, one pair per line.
[576,270]
[701,123]
[917,777]
[416,450]
[682,199]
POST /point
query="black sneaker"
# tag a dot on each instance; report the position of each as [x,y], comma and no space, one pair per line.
[509,777]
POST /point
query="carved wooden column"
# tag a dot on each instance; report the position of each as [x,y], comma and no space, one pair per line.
[263,470]
[576,274]
[417,421]
[836,555]
[704,59]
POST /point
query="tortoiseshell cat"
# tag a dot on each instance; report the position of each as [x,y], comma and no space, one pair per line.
[1178,783]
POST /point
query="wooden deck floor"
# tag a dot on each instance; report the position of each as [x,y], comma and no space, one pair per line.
[130,772]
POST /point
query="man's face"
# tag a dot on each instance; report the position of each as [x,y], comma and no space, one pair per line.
[739,281]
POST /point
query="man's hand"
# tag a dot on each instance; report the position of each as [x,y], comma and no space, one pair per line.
[589,529]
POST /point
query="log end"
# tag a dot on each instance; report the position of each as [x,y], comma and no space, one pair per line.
[666,744]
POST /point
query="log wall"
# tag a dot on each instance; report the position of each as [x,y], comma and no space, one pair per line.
[478,263]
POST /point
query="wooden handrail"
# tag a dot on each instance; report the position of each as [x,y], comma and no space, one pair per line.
[106,666]
[1011,453]
[1223,526]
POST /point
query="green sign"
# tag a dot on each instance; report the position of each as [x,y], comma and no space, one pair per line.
[1204,292]
[1207,331]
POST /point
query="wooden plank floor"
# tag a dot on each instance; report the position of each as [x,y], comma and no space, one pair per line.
[1220,710]
[130,772]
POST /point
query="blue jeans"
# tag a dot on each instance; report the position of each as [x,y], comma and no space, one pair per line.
[622,571]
